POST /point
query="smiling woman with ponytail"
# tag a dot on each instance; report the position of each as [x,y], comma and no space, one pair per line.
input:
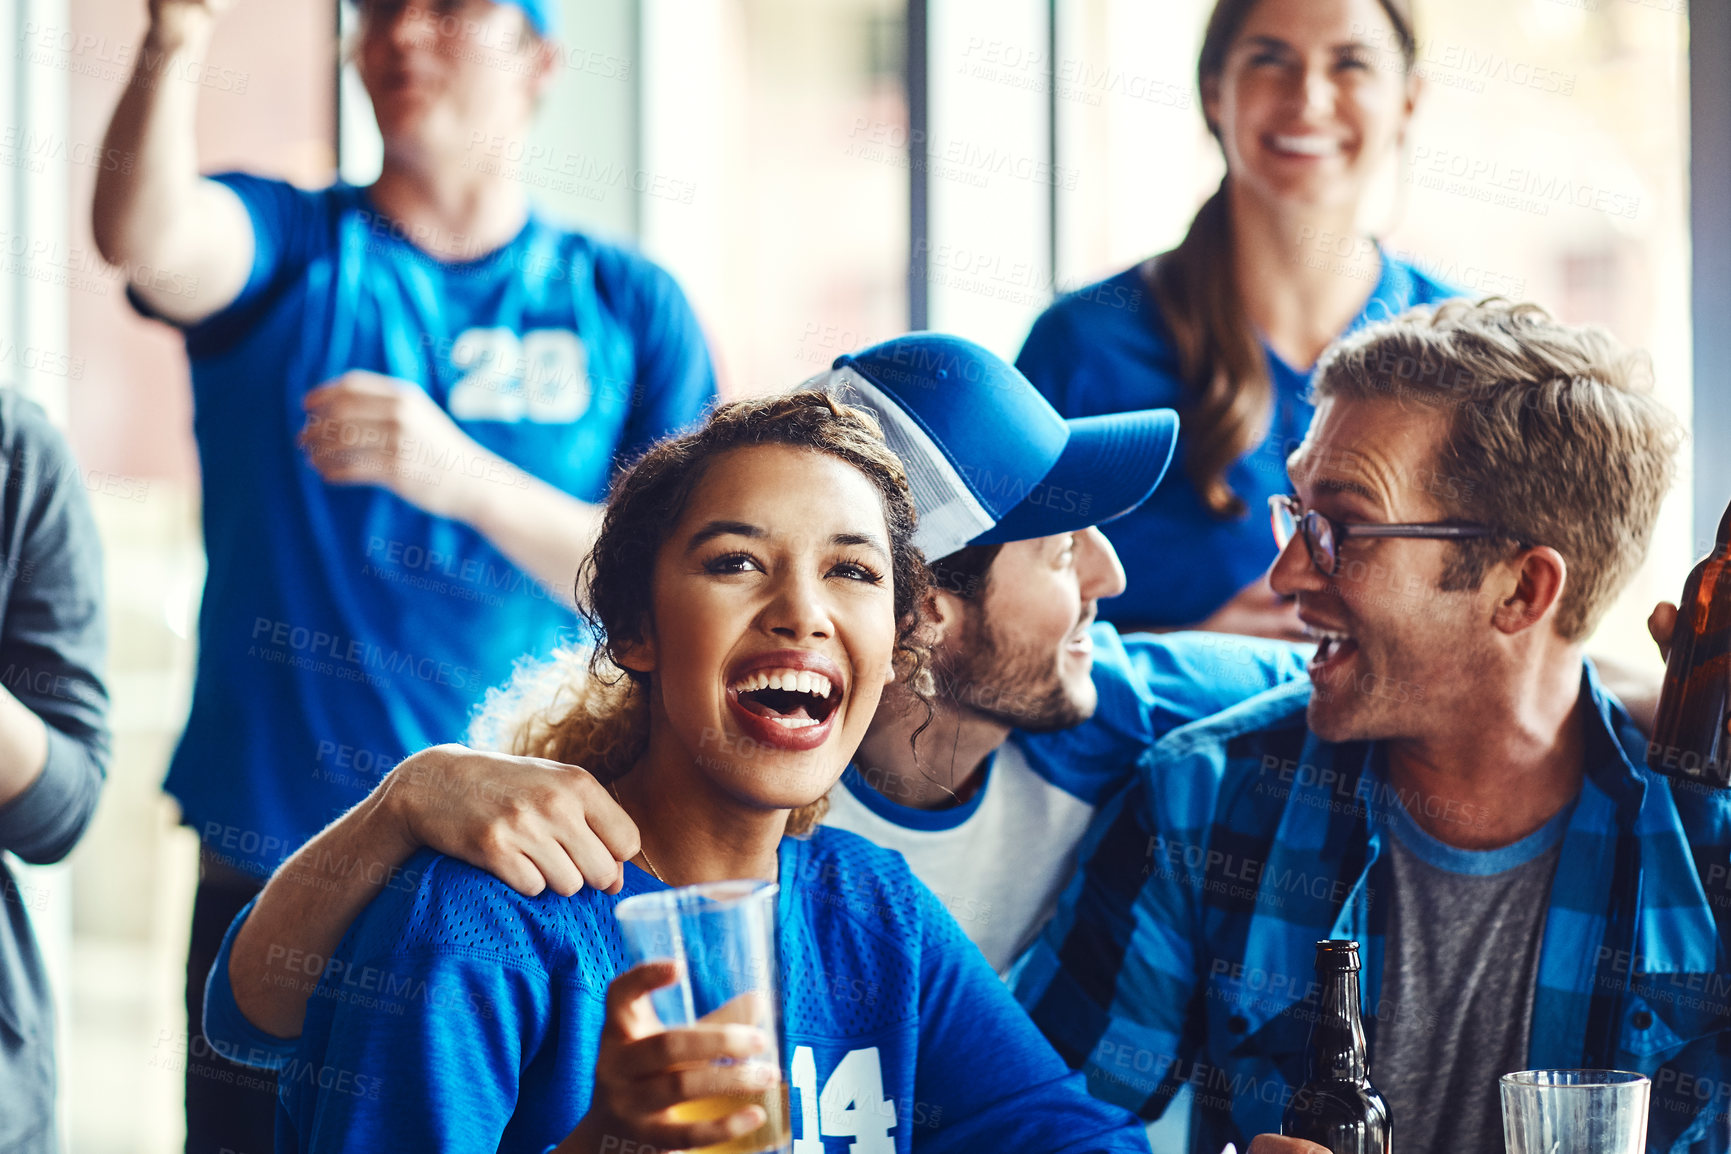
[1309,100]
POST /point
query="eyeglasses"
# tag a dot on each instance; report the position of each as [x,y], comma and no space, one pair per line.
[1322,534]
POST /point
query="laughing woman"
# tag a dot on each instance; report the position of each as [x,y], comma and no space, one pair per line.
[756,587]
[1309,101]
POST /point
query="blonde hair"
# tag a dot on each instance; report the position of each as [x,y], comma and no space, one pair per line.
[576,707]
[583,707]
[1554,436]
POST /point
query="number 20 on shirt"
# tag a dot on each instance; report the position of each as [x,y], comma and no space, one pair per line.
[541,377]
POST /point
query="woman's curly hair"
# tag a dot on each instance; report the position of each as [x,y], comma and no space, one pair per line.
[583,707]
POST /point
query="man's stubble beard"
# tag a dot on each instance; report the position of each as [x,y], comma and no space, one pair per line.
[1014,686]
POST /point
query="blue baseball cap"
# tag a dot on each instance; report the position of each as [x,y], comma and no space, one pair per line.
[543,14]
[988,459]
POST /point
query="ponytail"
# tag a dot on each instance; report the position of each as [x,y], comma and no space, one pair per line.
[1220,358]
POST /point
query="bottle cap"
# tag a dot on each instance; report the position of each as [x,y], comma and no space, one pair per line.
[1337,954]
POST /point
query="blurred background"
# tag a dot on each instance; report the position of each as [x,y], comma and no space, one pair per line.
[819,175]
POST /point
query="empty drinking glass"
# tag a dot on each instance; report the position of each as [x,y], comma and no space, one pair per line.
[1575,1112]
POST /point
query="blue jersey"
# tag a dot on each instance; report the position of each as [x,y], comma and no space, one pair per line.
[459,1015]
[1103,349]
[343,628]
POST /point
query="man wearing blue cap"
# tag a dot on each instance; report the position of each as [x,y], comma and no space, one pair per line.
[1038,715]
[989,804]
[408,399]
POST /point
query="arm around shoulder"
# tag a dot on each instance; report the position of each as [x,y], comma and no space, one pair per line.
[532,823]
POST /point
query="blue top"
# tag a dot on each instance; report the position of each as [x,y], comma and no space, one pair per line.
[1148,684]
[1104,349]
[52,645]
[342,627]
[459,1015]
[1183,950]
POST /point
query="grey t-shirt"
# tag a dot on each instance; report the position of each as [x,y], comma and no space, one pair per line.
[1460,963]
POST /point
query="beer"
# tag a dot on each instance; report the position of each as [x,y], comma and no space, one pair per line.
[1689,736]
[1337,1107]
[773,1135]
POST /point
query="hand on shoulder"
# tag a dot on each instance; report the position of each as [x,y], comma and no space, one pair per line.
[534,824]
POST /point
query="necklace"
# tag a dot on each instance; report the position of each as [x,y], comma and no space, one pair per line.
[641,852]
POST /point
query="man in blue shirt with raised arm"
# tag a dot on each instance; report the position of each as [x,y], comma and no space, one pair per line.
[408,400]
[1453,788]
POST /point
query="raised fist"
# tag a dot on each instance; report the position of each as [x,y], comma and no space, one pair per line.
[178,17]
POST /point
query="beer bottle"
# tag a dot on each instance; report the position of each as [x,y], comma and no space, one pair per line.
[1689,736]
[1337,1107]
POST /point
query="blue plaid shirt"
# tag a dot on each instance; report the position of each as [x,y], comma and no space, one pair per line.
[1183,951]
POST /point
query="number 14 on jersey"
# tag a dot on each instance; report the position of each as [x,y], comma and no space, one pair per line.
[851,1104]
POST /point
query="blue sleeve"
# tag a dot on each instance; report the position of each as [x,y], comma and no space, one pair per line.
[1191,675]
[289,225]
[675,383]
[428,1060]
[1049,358]
[54,638]
[1146,685]
[229,1031]
[993,1082]
[1113,979]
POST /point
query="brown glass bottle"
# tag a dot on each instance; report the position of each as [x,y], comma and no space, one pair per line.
[1689,736]
[1337,1107]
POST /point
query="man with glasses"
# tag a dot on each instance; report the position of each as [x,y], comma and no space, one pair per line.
[1322,535]
[1453,789]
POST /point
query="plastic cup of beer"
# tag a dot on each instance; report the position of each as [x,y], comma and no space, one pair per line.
[721,939]
[1575,1112]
